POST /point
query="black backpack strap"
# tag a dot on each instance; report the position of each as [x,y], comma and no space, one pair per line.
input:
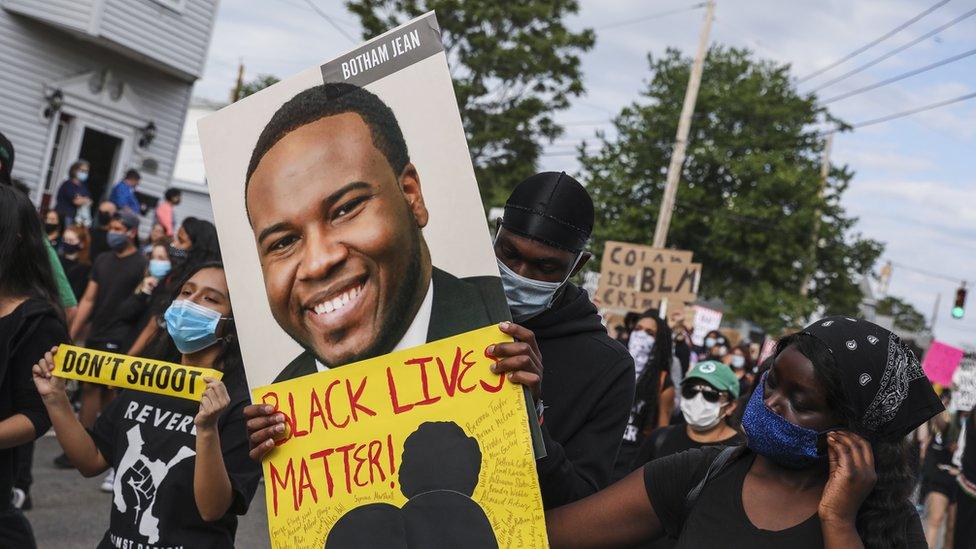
[717,466]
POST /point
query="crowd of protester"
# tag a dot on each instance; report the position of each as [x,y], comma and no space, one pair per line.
[651,439]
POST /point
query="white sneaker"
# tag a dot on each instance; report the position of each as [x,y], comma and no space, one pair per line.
[108,483]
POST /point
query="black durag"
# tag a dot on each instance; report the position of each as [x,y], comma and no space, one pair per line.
[552,208]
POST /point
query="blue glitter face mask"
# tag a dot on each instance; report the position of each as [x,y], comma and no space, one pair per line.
[770,435]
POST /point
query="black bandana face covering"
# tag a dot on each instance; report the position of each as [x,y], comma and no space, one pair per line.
[881,375]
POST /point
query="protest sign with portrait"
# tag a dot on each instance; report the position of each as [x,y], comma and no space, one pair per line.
[353,235]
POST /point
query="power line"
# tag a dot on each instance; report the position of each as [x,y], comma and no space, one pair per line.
[914,111]
[900,77]
[873,43]
[927,273]
[331,21]
[895,51]
[652,16]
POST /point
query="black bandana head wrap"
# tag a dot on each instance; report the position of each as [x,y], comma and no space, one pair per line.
[881,376]
[552,208]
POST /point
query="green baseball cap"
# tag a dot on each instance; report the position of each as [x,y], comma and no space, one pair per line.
[716,374]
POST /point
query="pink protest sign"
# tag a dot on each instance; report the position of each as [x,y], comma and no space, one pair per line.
[940,362]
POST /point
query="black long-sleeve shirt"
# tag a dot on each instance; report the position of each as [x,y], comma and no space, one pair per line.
[25,335]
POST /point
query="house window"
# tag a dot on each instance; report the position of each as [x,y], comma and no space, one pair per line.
[175,5]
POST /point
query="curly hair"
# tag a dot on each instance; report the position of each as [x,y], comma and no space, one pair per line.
[884,516]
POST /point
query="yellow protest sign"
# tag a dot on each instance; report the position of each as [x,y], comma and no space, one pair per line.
[418,448]
[130,372]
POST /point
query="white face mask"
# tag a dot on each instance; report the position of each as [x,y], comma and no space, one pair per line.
[640,344]
[709,342]
[700,414]
[738,361]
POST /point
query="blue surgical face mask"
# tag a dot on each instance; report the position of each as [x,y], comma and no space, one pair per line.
[82,176]
[193,327]
[738,361]
[117,241]
[527,297]
[709,342]
[159,267]
[770,435]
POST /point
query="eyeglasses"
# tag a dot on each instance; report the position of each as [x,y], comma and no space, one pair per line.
[691,391]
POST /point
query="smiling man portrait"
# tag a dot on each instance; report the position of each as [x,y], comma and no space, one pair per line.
[337,211]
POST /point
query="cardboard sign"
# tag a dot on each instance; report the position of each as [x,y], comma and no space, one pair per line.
[634,278]
[417,448]
[941,360]
[706,320]
[130,372]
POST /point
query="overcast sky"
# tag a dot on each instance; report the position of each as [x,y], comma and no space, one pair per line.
[914,187]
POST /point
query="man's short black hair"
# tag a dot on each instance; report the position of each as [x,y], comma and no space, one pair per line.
[132,174]
[172,193]
[333,99]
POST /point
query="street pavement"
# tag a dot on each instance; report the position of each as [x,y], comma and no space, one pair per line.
[71,512]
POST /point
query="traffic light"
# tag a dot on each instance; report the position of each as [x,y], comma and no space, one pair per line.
[959,308]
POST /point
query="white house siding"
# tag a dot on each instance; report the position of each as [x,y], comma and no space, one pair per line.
[37,54]
[177,38]
[195,203]
[72,14]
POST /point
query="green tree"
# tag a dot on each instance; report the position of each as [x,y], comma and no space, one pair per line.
[513,65]
[905,315]
[257,84]
[749,188]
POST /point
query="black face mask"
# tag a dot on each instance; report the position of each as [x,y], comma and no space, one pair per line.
[177,254]
[70,248]
[104,218]
[51,227]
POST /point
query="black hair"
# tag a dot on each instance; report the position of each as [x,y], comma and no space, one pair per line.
[172,193]
[204,250]
[648,387]
[439,455]
[163,348]
[132,174]
[883,517]
[6,160]
[332,99]
[25,266]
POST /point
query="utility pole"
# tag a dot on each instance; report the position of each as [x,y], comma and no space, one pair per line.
[815,237]
[935,311]
[235,94]
[681,138]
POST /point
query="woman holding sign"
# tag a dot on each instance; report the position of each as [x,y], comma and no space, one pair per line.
[31,320]
[182,472]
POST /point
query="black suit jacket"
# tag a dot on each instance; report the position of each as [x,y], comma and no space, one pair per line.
[460,305]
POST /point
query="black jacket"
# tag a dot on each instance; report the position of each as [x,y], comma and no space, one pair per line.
[459,305]
[587,390]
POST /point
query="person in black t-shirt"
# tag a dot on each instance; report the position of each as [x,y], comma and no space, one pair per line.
[708,398]
[183,474]
[808,478]
[31,320]
[654,393]
[114,277]
[99,232]
[75,259]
